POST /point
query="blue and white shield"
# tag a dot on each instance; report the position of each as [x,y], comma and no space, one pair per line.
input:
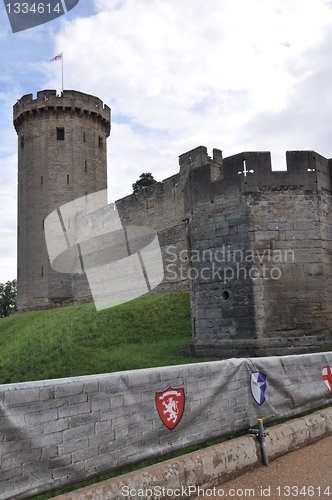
[258,386]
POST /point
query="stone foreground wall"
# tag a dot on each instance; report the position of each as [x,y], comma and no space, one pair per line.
[55,433]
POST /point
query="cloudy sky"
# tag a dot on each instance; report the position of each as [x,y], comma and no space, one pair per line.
[236,75]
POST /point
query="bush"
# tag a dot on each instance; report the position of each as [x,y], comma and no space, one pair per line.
[8,292]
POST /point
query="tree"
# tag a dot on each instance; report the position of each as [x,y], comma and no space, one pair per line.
[8,292]
[143,181]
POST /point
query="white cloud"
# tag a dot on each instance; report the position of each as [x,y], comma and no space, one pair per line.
[230,74]
[192,65]
[8,203]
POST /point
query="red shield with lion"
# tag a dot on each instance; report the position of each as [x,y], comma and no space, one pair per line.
[170,405]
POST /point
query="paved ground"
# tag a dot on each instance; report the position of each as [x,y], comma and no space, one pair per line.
[304,474]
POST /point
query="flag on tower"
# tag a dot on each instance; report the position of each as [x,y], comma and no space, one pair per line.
[57,58]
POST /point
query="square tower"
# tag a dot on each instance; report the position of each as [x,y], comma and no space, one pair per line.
[260,249]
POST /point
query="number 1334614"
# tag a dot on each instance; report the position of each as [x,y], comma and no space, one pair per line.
[35,8]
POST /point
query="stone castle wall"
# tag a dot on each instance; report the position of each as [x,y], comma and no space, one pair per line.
[161,207]
[260,246]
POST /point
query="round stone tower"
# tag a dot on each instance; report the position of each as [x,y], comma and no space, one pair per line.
[61,157]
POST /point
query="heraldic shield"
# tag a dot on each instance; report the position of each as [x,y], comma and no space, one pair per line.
[327,377]
[170,405]
[258,386]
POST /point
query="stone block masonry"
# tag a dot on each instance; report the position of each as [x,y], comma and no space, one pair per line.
[161,207]
[61,157]
[59,432]
[260,248]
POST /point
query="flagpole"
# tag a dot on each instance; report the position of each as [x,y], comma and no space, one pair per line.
[56,58]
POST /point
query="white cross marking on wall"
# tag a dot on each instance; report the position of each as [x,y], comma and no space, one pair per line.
[245,171]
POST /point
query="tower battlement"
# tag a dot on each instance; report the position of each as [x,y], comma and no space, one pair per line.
[250,172]
[198,157]
[254,169]
[70,101]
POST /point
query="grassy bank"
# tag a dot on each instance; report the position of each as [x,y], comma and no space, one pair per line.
[147,332]
[73,341]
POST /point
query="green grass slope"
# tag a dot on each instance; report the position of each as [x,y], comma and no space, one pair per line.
[72,341]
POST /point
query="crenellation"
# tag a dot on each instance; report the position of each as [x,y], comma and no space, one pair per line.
[192,159]
[250,171]
[67,100]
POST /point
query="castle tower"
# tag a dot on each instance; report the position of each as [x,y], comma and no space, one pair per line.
[259,244]
[61,157]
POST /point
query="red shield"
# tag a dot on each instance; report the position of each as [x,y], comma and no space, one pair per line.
[327,377]
[170,405]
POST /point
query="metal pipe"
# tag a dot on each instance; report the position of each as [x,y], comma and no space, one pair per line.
[262,434]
